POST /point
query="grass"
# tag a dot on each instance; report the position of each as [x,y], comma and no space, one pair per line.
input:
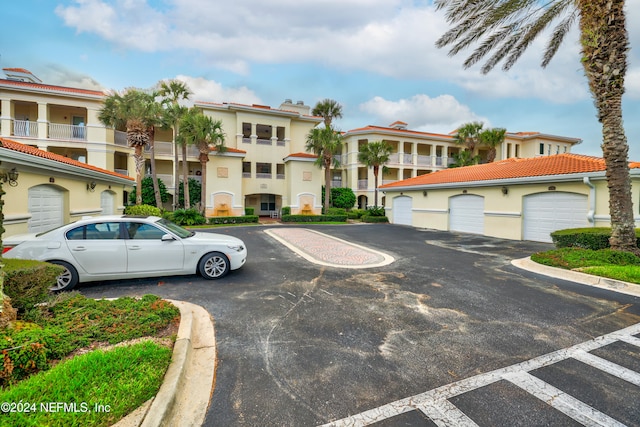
[604,262]
[95,389]
[49,355]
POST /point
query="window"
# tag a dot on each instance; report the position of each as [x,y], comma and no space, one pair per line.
[541,149]
[98,231]
[141,231]
[280,171]
[267,202]
[263,170]
[246,169]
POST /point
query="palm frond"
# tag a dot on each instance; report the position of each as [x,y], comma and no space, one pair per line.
[557,37]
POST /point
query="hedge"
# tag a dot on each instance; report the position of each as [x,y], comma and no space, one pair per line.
[314,218]
[233,219]
[376,219]
[587,238]
[27,282]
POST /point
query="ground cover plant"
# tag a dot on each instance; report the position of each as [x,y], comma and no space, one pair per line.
[44,350]
[609,263]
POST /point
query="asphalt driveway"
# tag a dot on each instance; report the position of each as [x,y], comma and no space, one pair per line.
[301,344]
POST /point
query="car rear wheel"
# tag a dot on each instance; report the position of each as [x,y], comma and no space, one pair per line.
[68,279]
[214,265]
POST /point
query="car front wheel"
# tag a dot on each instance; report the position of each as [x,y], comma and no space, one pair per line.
[214,265]
[67,280]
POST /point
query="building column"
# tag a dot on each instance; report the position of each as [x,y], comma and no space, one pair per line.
[7,115]
[43,120]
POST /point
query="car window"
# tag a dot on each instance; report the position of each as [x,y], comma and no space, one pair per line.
[97,231]
[142,231]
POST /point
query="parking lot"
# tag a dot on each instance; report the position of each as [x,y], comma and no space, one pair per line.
[304,344]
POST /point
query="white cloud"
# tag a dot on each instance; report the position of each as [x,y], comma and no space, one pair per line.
[212,91]
[442,114]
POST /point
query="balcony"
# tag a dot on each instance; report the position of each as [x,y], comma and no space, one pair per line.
[336,184]
[25,128]
[363,184]
[63,131]
[263,141]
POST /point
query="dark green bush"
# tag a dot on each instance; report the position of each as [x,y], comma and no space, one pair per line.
[336,211]
[375,211]
[314,218]
[195,190]
[144,210]
[343,197]
[27,282]
[247,219]
[587,238]
[286,210]
[372,218]
[249,211]
[356,213]
[148,198]
[188,217]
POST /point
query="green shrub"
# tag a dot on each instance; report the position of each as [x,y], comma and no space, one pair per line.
[588,238]
[376,218]
[286,210]
[247,219]
[356,213]
[188,217]
[195,190]
[314,218]
[375,211]
[336,211]
[249,211]
[27,282]
[143,210]
[343,197]
[578,258]
[148,196]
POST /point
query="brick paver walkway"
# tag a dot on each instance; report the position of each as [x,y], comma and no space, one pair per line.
[323,249]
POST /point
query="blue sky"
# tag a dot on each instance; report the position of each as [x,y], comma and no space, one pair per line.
[376,57]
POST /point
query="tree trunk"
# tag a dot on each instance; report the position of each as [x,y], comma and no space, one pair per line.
[139,161]
[176,169]
[204,158]
[327,182]
[376,171]
[185,177]
[605,43]
[154,175]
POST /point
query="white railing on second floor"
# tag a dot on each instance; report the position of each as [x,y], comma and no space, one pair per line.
[120,138]
[407,159]
[363,184]
[424,160]
[25,128]
[121,171]
[162,148]
[63,131]
[336,184]
[264,175]
[394,159]
[166,178]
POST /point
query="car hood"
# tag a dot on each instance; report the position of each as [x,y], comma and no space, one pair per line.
[223,239]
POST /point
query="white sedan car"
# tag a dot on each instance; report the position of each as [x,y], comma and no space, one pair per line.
[124,247]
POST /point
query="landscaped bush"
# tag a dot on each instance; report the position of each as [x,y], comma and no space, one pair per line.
[286,210]
[27,282]
[588,238]
[148,195]
[188,217]
[376,219]
[336,211]
[314,218]
[376,211]
[144,210]
[247,219]
[342,197]
[249,211]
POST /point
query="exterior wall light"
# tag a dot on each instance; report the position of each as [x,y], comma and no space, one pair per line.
[91,186]
[505,190]
[11,177]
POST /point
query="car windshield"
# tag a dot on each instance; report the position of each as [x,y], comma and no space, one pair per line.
[175,228]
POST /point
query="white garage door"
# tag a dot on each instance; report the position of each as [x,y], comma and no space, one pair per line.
[402,210]
[544,213]
[107,203]
[466,214]
[46,208]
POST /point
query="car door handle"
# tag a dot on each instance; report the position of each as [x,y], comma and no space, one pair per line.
[135,248]
[79,249]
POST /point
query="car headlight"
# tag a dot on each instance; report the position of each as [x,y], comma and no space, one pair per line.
[237,248]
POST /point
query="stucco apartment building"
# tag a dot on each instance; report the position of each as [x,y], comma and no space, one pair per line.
[265,166]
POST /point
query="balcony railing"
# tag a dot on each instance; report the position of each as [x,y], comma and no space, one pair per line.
[407,159]
[363,184]
[63,131]
[120,138]
[162,148]
[121,171]
[281,143]
[246,140]
[336,184]
[25,128]
[246,174]
[279,176]
[424,160]
[264,175]
[263,141]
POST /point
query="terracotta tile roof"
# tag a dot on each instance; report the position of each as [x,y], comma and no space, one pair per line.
[27,149]
[559,164]
[45,87]
[303,155]
[371,128]
[231,150]
[17,70]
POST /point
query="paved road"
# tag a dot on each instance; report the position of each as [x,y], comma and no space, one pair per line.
[301,344]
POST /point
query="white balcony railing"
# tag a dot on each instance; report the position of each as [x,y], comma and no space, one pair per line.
[263,141]
[407,159]
[120,138]
[336,184]
[264,175]
[25,128]
[394,159]
[63,131]
[363,184]
[424,160]
[162,148]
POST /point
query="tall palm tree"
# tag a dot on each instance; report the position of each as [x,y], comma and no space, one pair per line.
[205,133]
[374,155]
[508,27]
[492,138]
[156,115]
[469,135]
[172,92]
[328,109]
[131,110]
[324,142]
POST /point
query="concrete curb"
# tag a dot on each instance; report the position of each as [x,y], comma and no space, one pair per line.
[185,393]
[578,277]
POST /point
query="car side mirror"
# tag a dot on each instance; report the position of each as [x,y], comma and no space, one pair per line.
[167,237]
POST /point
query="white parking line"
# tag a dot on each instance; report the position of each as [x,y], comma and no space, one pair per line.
[432,402]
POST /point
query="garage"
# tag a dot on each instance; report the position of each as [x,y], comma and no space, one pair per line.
[46,205]
[466,214]
[544,213]
[107,203]
[402,206]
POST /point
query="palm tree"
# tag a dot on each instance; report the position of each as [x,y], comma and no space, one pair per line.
[206,134]
[324,142]
[508,27]
[492,138]
[172,92]
[132,111]
[464,158]
[328,109]
[469,135]
[374,155]
[157,120]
